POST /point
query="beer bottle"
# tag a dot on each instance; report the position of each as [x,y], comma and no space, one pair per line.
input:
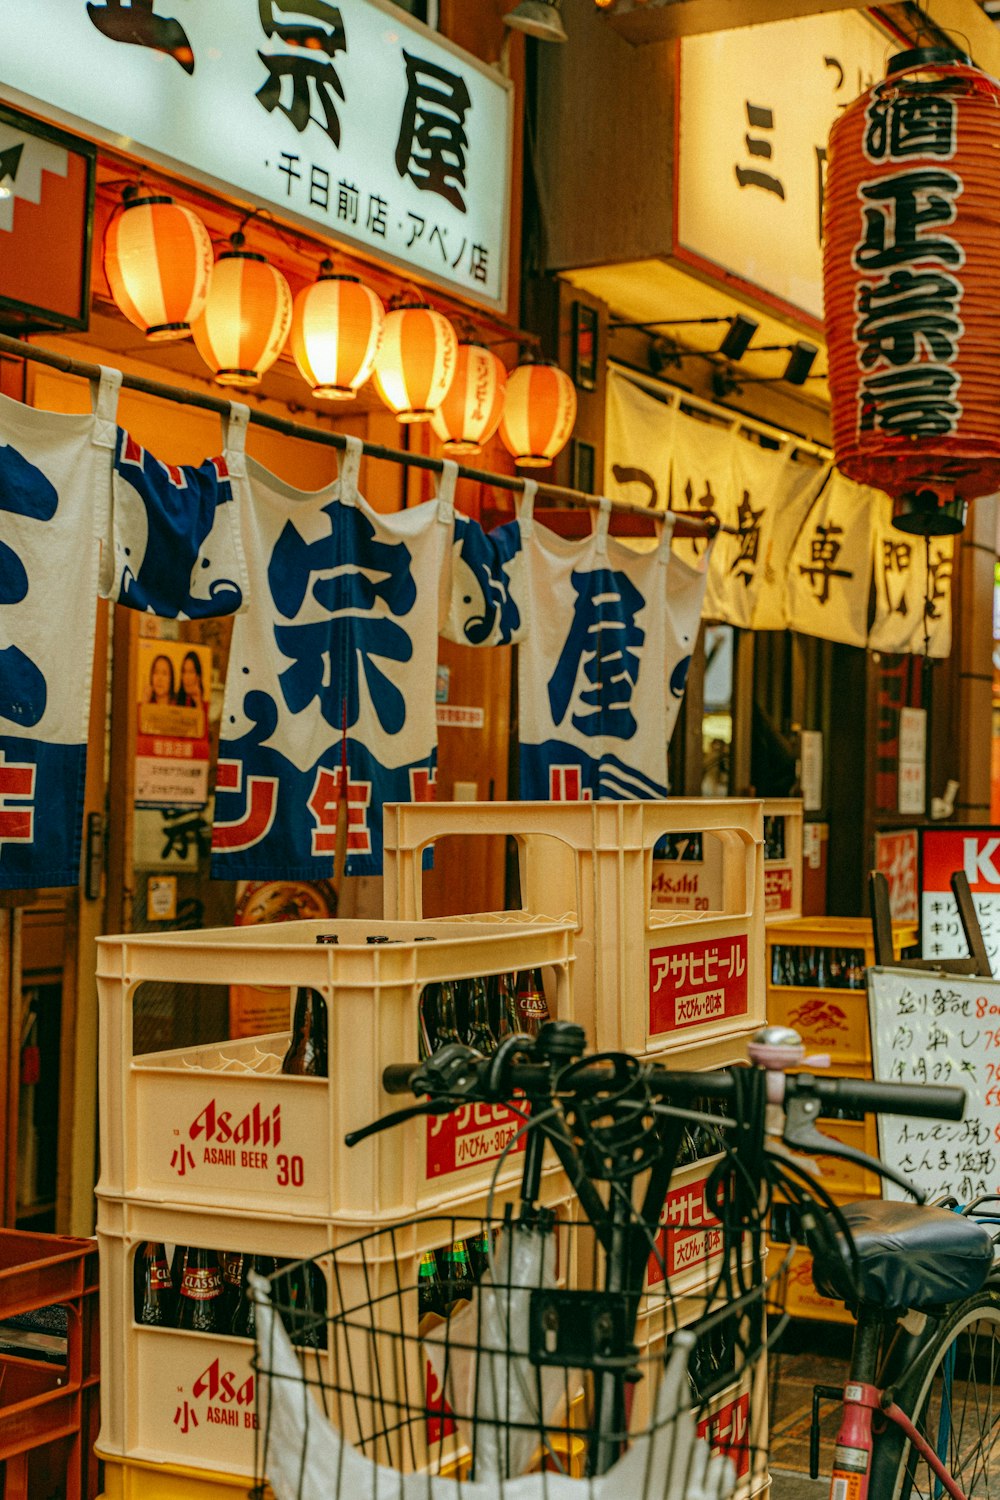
[532,1010]
[447,1018]
[456,1275]
[836,969]
[479,1034]
[821,975]
[327,937]
[426,1021]
[177,1263]
[308,1322]
[200,1307]
[307,1052]
[429,1295]
[479,1254]
[155,1302]
[231,1262]
[244,1320]
[509,1021]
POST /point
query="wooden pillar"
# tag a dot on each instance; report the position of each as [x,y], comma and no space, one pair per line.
[973,648]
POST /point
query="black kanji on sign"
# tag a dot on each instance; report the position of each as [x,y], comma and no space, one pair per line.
[136,23]
[759,117]
[896,558]
[906,313]
[911,124]
[938,580]
[745,562]
[824,549]
[915,402]
[308,64]
[432,138]
[902,208]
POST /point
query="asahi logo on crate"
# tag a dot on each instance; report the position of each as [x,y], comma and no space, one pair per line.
[470,1135]
[691,1234]
[728,1431]
[692,983]
[217,1137]
[218,1397]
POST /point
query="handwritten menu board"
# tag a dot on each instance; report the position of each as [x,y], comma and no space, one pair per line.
[939,1029]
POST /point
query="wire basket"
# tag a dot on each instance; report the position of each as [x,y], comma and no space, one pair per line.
[483,1357]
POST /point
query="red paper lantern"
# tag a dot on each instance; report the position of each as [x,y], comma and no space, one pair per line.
[416,362]
[911,264]
[246,318]
[470,413]
[538,414]
[336,331]
[158,261]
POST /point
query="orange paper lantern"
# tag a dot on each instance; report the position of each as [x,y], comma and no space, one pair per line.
[336,331]
[538,414]
[246,318]
[158,261]
[911,263]
[416,362]
[470,413]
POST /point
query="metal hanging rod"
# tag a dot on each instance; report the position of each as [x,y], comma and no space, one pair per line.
[685,526]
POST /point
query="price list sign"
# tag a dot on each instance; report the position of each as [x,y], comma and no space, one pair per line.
[939,1029]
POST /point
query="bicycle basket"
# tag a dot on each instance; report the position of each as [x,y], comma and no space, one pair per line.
[470,1357]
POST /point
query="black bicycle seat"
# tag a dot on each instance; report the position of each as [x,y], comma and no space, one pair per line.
[908,1256]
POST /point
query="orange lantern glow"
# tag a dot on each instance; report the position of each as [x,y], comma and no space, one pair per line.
[538,414]
[470,413]
[911,262]
[246,318]
[416,362]
[336,331]
[158,261]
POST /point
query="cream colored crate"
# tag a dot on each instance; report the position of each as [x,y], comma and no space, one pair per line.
[681,883]
[220,1126]
[189,1399]
[649,982]
[783,877]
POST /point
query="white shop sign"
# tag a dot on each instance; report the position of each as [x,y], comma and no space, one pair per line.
[756,107]
[352,118]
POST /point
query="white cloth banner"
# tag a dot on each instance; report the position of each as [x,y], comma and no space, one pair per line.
[782,522]
[639,440]
[330,687]
[912,600]
[55,499]
[602,671]
[830,564]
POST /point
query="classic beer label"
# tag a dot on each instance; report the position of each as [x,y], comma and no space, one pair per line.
[201,1283]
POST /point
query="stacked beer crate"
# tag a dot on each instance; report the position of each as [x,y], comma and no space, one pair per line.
[212,1146]
[683,986]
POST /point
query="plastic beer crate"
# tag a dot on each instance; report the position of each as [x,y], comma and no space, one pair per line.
[220,1126]
[646,981]
[132,1479]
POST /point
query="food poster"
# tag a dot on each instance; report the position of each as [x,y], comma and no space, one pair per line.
[172,744]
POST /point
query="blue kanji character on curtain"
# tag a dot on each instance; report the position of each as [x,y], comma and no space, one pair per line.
[605,641]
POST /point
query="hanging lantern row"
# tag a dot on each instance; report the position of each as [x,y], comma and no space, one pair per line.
[240,312]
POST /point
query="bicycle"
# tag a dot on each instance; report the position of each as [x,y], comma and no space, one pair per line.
[553,1372]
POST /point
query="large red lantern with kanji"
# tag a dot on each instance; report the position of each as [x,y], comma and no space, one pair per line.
[911,269]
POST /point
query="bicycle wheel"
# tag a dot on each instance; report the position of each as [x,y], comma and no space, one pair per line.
[950,1394]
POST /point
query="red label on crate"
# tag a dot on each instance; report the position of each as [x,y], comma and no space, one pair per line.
[728,1431]
[691,1235]
[218,1397]
[691,983]
[247,1140]
[467,1136]
[440,1417]
[777,888]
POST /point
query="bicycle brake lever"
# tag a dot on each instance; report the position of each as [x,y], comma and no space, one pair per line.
[398,1117]
[802,1134]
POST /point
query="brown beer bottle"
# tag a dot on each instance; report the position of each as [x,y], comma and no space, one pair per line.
[233,1274]
[457,1281]
[479,1034]
[201,1305]
[509,1020]
[307,1053]
[429,1294]
[244,1320]
[447,1016]
[532,1009]
[155,1302]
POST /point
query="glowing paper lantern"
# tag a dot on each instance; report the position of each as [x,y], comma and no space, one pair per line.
[470,413]
[911,263]
[336,331]
[246,318]
[158,261]
[416,362]
[538,414]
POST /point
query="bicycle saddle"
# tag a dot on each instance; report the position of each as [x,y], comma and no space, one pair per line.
[908,1256]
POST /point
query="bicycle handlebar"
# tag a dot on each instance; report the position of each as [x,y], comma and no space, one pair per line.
[938,1102]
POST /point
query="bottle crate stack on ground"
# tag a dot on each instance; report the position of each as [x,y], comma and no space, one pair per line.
[816,969]
[212,1146]
[678,985]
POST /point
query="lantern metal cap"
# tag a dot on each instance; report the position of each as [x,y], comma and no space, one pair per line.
[927,57]
[539,18]
[924,513]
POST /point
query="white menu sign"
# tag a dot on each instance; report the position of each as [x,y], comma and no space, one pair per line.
[756,107]
[350,117]
[939,1029]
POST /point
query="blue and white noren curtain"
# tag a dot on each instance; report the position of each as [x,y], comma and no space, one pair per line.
[330,687]
[602,671]
[55,498]
[176,545]
[488,603]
